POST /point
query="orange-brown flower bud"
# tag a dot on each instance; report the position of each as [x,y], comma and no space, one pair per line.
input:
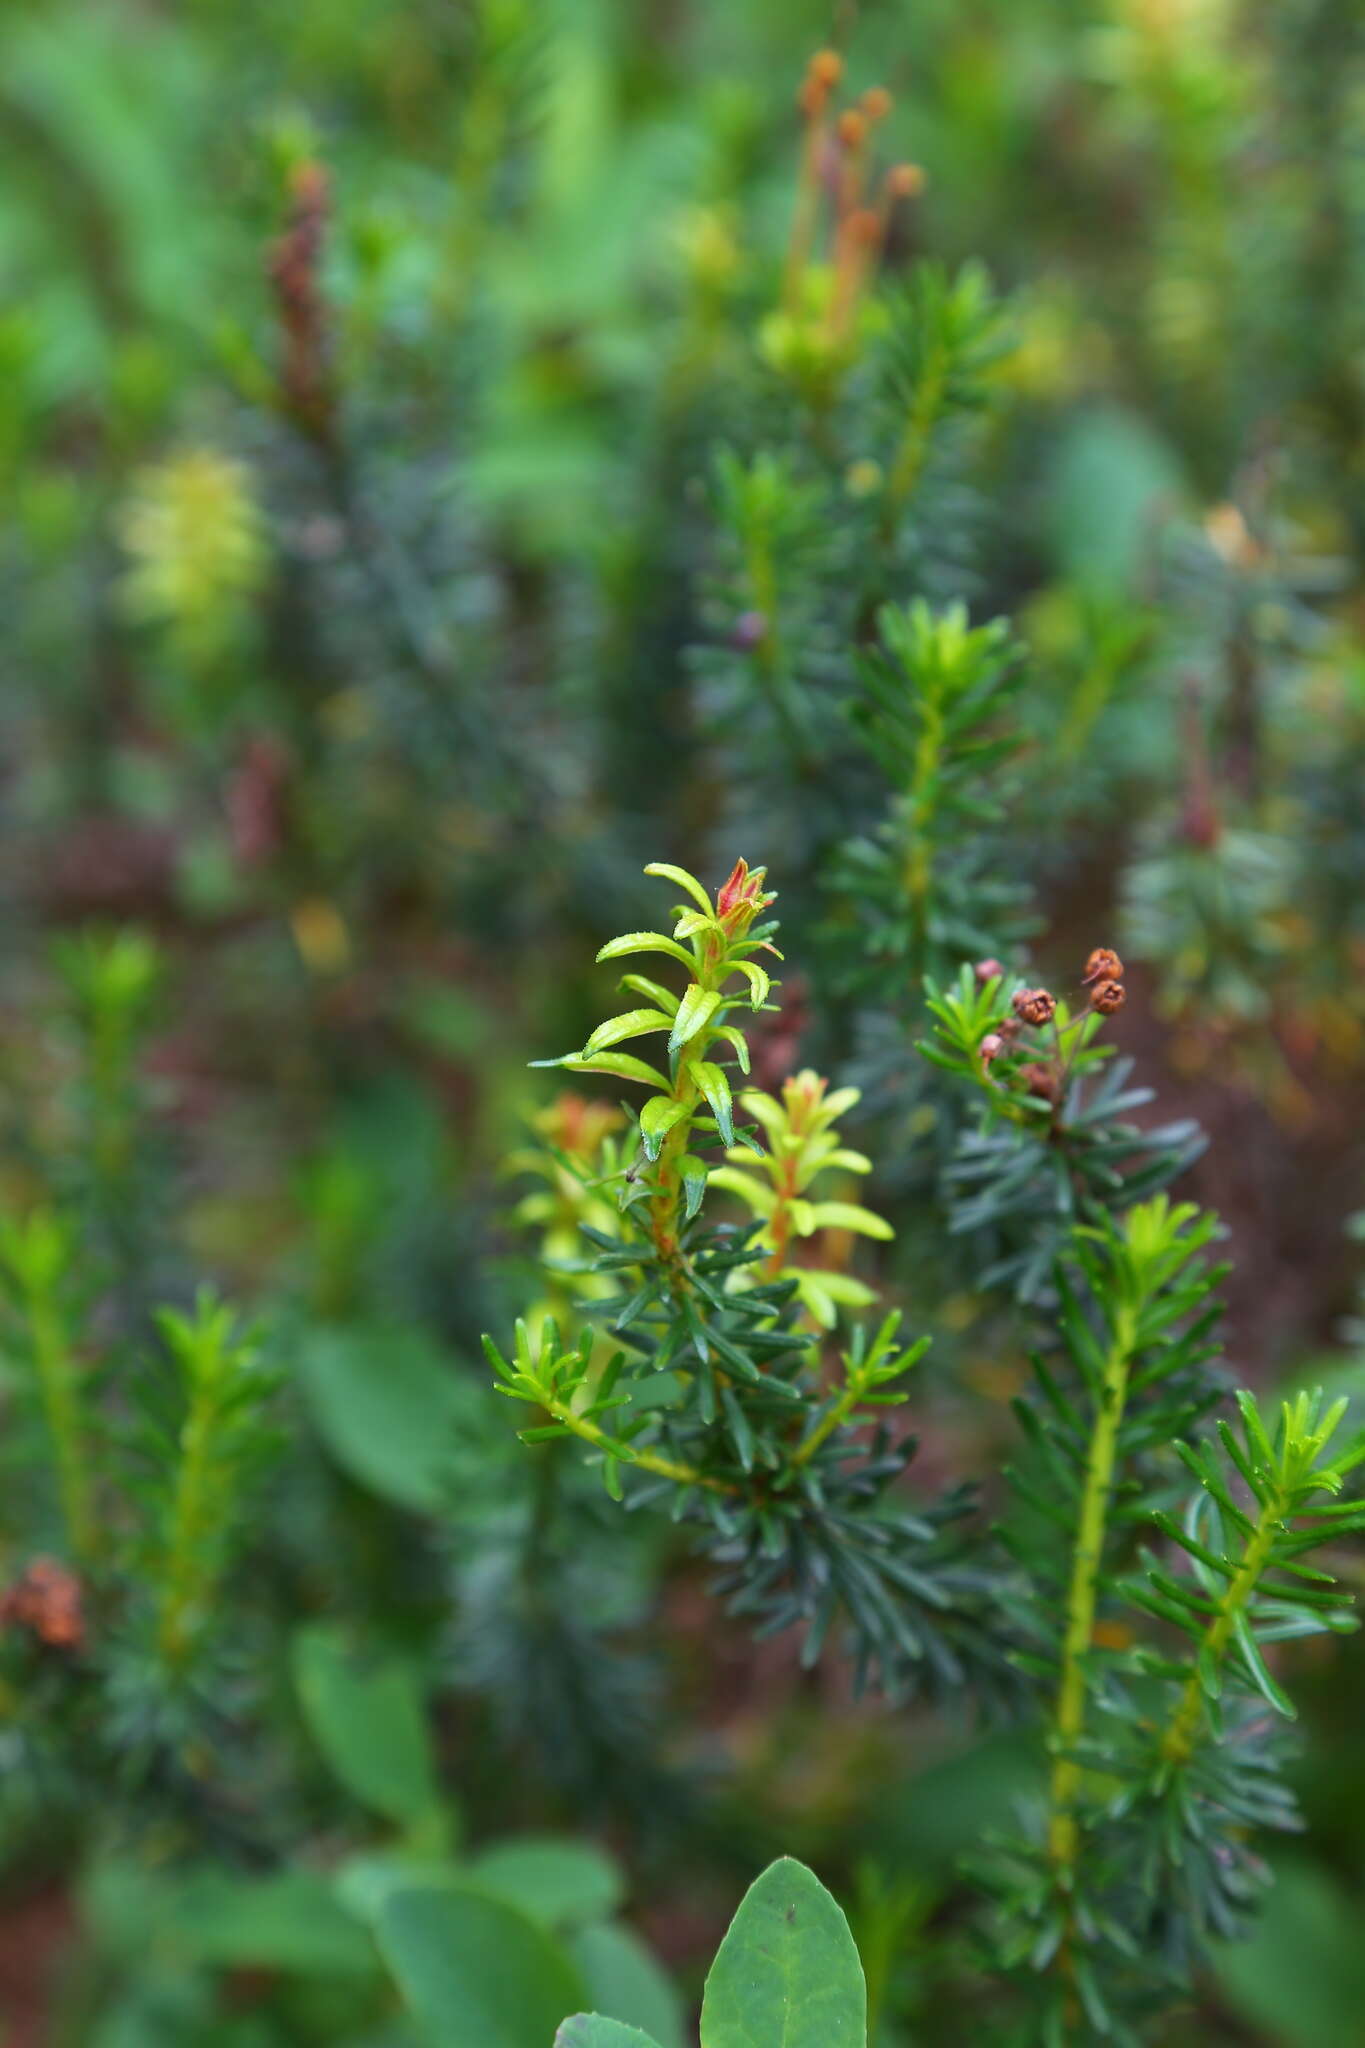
[904,181]
[1104,964]
[876,103]
[741,896]
[1034,1005]
[852,129]
[46,1600]
[822,75]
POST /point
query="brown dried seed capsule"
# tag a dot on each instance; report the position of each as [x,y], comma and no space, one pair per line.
[1034,1005]
[991,1047]
[1104,964]
[988,970]
[1040,1080]
[1107,996]
[1009,1029]
[46,1600]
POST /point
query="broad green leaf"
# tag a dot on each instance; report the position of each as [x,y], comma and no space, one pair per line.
[555,1880]
[645,942]
[657,1119]
[848,1216]
[714,1085]
[362,1883]
[474,1971]
[290,1920]
[694,1012]
[393,1410]
[630,1024]
[927,1819]
[684,881]
[1110,475]
[623,1065]
[366,1715]
[1299,1978]
[625,1981]
[787,1974]
[590,2030]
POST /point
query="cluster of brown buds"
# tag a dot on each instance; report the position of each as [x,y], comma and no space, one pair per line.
[1036,1009]
[295,264]
[1103,981]
[836,163]
[46,1600]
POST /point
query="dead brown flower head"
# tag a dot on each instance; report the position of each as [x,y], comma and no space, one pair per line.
[1107,996]
[46,1599]
[1034,1005]
[1104,964]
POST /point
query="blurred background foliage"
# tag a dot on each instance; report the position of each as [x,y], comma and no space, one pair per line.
[376,600]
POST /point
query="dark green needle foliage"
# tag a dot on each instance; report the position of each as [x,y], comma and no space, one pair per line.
[1051,1144]
[449,454]
[1165,1760]
[693,1386]
[852,490]
[937,881]
[713,1406]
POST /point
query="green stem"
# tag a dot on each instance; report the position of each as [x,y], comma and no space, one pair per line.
[914,444]
[780,1222]
[666,1202]
[57,1378]
[919,864]
[1177,1744]
[648,1461]
[183,1587]
[848,1400]
[664,1205]
[1069,1713]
